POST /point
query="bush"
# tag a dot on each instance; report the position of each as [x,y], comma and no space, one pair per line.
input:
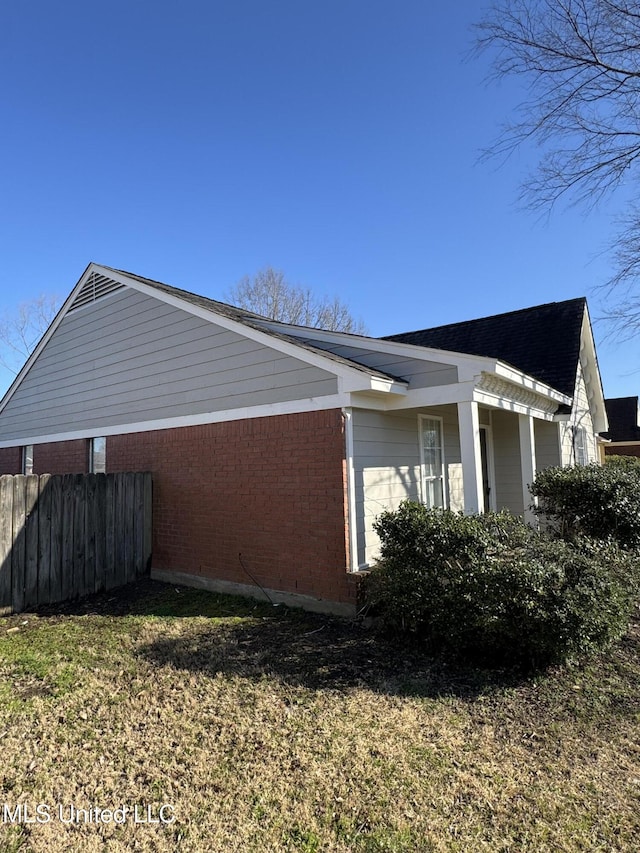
[624,462]
[490,589]
[601,502]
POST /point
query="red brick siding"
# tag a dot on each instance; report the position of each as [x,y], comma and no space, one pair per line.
[272,489]
[10,460]
[61,457]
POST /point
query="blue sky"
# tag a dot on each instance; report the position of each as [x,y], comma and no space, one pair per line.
[339,141]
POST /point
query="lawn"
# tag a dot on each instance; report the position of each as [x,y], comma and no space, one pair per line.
[265,729]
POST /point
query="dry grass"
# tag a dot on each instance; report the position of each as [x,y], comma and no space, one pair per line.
[271,730]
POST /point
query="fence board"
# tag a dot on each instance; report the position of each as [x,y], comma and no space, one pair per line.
[110,533]
[67,586]
[6,543]
[45,561]
[18,548]
[120,576]
[79,535]
[148,532]
[89,534]
[31,541]
[55,566]
[98,520]
[62,537]
[129,486]
[138,518]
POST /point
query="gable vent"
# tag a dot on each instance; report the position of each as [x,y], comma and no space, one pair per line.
[95,288]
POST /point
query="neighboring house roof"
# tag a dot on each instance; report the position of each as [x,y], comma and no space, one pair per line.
[622,413]
[543,341]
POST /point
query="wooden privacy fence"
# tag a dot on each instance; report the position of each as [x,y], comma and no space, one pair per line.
[62,537]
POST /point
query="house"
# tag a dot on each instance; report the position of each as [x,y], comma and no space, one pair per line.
[623,436]
[273,448]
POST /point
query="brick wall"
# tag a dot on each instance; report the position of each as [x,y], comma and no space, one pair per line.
[61,457]
[271,489]
[10,460]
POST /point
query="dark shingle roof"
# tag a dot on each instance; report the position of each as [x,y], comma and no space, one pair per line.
[622,414]
[543,341]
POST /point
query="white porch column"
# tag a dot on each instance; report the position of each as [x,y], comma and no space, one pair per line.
[527,464]
[469,427]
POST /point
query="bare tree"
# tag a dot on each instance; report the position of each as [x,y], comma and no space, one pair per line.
[269,293]
[20,331]
[581,61]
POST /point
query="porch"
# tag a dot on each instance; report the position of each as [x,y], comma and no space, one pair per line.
[465,456]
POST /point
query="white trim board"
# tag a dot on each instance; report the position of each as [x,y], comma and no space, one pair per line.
[313,404]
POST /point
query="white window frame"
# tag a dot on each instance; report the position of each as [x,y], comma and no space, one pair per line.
[92,456]
[580,446]
[423,477]
[27,459]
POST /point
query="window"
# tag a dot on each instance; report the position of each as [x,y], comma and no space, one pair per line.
[432,461]
[580,446]
[98,455]
[27,459]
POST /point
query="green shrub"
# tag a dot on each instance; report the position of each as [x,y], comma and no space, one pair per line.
[624,462]
[491,589]
[601,502]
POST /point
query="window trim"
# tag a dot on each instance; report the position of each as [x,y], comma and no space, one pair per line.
[423,476]
[92,455]
[25,468]
[580,446]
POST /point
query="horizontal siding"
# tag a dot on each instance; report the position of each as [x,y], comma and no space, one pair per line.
[387,470]
[507,462]
[387,467]
[419,373]
[580,417]
[547,444]
[129,357]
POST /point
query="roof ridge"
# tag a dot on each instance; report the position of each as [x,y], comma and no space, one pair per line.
[182,291]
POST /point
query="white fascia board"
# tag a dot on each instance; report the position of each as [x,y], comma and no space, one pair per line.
[511,374]
[437,395]
[372,383]
[600,421]
[460,392]
[353,378]
[311,404]
[496,401]
[47,336]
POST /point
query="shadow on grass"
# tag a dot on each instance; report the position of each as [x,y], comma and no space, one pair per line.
[250,639]
[318,653]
